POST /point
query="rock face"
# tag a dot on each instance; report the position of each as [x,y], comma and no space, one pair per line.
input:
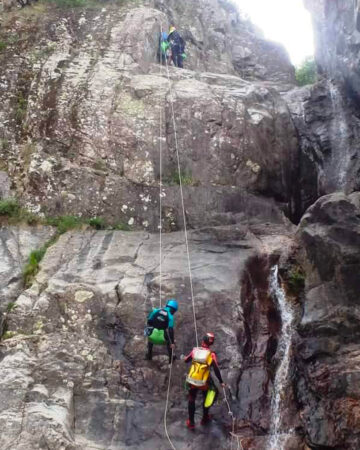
[16,245]
[73,374]
[82,109]
[85,110]
[337,37]
[328,348]
[326,114]
[328,125]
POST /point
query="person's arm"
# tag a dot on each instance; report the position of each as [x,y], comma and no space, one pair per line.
[188,358]
[171,335]
[171,328]
[215,366]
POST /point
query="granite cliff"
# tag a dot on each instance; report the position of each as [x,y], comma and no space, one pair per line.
[270,183]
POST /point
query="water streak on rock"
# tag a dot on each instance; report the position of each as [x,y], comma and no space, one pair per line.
[340,157]
[277,436]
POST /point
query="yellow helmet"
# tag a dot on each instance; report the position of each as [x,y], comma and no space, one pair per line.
[171,29]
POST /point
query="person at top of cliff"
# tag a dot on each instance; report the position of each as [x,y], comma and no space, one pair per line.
[163,48]
[199,379]
[177,45]
[160,329]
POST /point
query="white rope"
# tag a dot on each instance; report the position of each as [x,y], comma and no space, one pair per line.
[182,201]
[233,423]
[160,181]
[167,402]
[187,252]
[160,251]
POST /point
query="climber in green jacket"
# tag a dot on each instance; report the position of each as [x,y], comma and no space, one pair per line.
[164,46]
[160,329]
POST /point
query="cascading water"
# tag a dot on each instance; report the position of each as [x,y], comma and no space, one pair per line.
[340,152]
[278,436]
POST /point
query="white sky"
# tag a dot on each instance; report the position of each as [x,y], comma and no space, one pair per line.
[285,21]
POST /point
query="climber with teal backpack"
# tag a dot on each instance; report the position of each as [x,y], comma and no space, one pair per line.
[160,329]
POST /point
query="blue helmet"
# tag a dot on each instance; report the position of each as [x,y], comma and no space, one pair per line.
[172,303]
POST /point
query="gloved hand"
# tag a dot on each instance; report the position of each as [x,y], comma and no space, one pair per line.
[184,56]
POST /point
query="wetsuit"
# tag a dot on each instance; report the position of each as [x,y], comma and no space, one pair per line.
[194,390]
[177,48]
[168,333]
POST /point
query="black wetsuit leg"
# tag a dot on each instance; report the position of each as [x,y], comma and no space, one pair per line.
[150,351]
[191,404]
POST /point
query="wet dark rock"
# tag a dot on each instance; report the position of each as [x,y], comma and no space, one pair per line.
[328,348]
[329,130]
[337,38]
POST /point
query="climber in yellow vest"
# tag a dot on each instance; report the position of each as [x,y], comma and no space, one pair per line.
[199,379]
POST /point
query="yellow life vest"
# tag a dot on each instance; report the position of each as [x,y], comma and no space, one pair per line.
[200,368]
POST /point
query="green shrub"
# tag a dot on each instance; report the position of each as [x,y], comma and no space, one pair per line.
[121,227]
[69,3]
[11,306]
[17,214]
[64,223]
[3,46]
[33,265]
[21,107]
[296,281]
[97,222]
[9,207]
[306,72]
[8,335]
[186,179]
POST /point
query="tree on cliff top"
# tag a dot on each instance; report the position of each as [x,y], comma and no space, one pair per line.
[306,72]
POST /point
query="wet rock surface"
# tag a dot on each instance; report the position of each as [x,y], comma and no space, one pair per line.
[337,33]
[329,339]
[327,121]
[75,364]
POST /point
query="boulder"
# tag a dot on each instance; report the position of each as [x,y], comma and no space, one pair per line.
[329,234]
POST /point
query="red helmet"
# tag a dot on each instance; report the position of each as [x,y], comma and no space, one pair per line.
[209,338]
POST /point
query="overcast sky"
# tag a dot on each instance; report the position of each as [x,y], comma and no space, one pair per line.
[285,21]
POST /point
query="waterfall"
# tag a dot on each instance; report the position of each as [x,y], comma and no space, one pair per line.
[340,151]
[277,436]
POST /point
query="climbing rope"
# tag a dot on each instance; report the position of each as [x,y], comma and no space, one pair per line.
[182,201]
[167,403]
[160,251]
[187,252]
[160,184]
[233,423]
